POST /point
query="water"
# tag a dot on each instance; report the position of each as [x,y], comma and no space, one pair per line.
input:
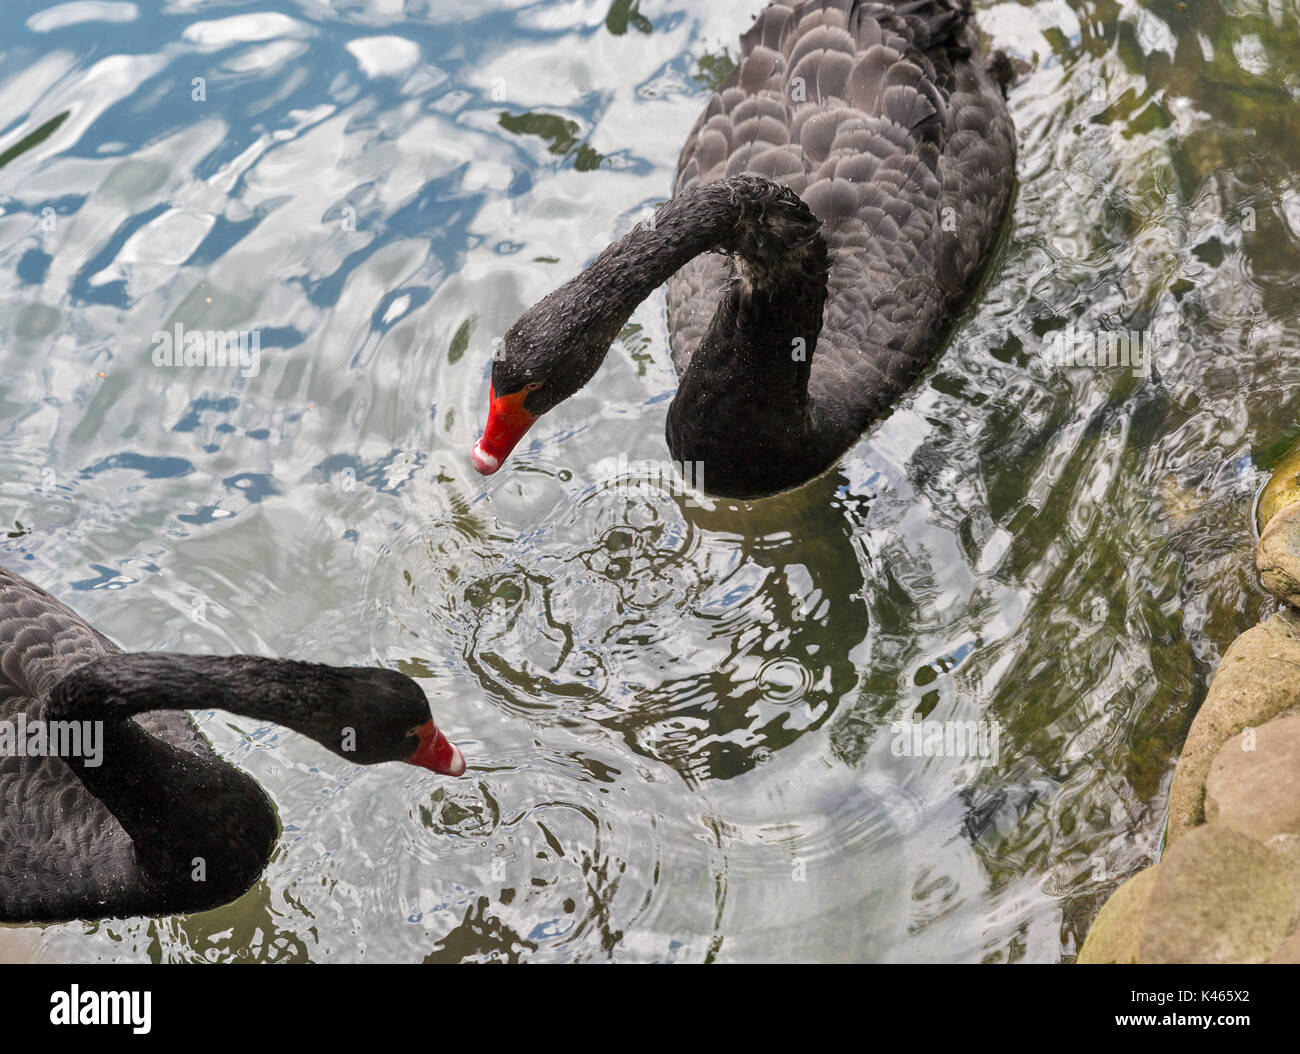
[680,720]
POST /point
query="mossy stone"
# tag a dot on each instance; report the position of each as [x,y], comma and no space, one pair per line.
[1258,680]
[1218,897]
[1113,937]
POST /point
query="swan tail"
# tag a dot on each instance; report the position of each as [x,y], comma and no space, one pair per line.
[1001,70]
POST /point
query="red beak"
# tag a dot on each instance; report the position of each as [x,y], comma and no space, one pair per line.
[506,424]
[436,752]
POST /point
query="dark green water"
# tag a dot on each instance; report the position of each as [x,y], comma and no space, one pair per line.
[678,719]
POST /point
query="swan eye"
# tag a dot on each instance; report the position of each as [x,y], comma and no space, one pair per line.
[532,386]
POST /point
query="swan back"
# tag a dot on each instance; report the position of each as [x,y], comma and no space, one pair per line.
[884,118]
[54,834]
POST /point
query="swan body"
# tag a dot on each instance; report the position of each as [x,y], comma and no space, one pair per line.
[833,209]
[157,823]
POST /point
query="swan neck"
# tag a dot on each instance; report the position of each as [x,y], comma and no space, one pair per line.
[772,237]
[308,697]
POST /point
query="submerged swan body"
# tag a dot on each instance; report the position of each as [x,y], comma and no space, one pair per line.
[833,209]
[112,803]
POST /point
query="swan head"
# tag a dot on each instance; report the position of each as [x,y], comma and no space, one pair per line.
[404,720]
[435,751]
[554,349]
[392,723]
[364,714]
[509,417]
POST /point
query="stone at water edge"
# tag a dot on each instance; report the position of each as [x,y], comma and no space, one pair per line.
[1218,897]
[1258,680]
[1257,791]
[1278,557]
[1290,950]
[1113,936]
[1287,846]
[1282,488]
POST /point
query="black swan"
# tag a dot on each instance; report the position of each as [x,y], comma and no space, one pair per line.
[833,209]
[160,825]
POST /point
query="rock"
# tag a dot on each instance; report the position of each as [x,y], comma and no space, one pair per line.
[1290,950]
[1258,680]
[1257,791]
[1287,846]
[1113,937]
[1218,897]
[1278,557]
[23,945]
[1283,487]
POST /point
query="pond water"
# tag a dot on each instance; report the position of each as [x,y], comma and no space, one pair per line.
[685,721]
